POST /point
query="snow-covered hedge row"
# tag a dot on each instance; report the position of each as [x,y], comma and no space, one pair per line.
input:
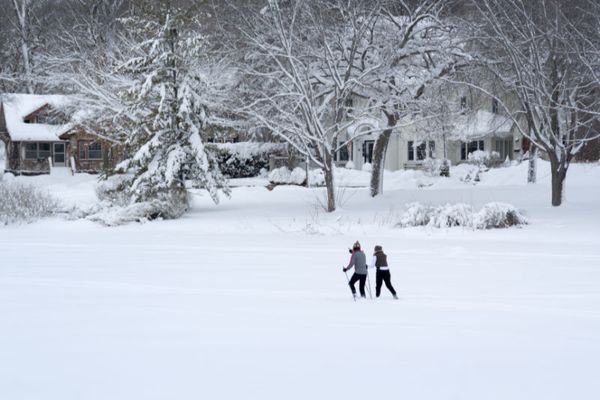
[492,215]
[244,159]
[285,176]
[20,203]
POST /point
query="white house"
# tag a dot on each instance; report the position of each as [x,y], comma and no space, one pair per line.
[475,124]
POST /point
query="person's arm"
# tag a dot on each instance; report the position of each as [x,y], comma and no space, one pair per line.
[373,261]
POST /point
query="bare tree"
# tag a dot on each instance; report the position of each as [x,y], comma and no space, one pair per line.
[417,45]
[306,60]
[26,26]
[539,50]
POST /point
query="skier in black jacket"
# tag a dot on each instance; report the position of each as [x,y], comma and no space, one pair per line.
[383,272]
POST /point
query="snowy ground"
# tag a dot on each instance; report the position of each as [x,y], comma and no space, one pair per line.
[247,299]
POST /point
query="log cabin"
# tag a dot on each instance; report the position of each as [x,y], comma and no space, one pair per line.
[39,135]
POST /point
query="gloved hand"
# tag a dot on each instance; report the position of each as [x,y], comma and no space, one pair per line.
[344,269]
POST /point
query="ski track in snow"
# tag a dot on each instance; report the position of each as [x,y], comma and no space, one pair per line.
[247,299]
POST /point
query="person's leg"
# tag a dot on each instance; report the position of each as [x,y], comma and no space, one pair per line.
[378,283]
[355,277]
[388,282]
[363,280]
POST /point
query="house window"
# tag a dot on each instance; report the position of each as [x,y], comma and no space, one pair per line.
[421,151]
[37,151]
[431,149]
[90,151]
[31,151]
[463,103]
[495,106]
[95,151]
[504,147]
[342,153]
[349,104]
[470,147]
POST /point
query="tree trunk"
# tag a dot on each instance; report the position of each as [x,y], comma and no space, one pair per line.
[532,168]
[559,173]
[22,11]
[329,182]
[379,157]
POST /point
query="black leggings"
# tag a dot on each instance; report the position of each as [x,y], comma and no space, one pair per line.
[383,276]
[362,279]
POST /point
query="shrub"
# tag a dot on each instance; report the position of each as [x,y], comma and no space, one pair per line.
[20,203]
[297,176]
[244,159]
[117,208]
[485,159]
[285,176]
[436,167]
[416,214]
[451,215]
[498,215]
[492,215]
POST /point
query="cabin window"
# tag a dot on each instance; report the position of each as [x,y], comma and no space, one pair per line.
[37,151]
[421,151]
[463,103]
[31,151]
[90,151]
[470,147]
[95,151]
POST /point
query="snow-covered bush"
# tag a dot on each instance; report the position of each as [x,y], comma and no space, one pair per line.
[485,158]
[116,206]
[492,215]
[451,215]
[285,176]
[350,165]
[498,215]
[20,203]
[436,167]
[120,215]
[416,214]
[244,159]
[367,167]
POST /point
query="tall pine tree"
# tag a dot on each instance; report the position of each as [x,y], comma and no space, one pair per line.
[168,104]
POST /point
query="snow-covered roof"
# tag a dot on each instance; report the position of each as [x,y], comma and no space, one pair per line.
[482,123]
[18,106]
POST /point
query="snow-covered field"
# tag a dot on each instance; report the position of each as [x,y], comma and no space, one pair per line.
[247,300]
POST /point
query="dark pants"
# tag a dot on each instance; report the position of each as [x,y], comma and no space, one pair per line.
[362,279]
[383,276]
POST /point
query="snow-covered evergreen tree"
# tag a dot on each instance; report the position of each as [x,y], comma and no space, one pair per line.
[168,104]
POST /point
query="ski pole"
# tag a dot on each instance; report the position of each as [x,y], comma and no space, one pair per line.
[348,279]
[369,283]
